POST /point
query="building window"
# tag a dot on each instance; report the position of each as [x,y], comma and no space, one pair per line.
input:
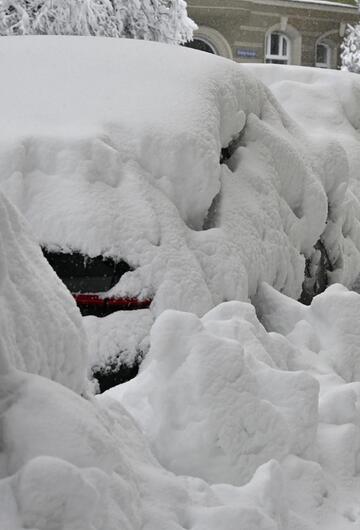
[277,48]
[202,45]
[323,55]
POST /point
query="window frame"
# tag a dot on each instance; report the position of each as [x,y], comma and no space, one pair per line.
[328,48]
[276,58]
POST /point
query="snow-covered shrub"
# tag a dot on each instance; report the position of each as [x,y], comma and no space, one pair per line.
[350,55]
[159,20]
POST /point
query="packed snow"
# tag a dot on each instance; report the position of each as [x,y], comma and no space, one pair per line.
[242,416]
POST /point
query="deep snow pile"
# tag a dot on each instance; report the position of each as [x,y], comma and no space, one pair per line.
[219,397]
[73,463]
[326,104]
[271,420]
[40,327]
[237,426]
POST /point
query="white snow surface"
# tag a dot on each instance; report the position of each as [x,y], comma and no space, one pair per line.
[222,399]
[253,429]
[40,326]
[326,104]
[120,338]
[113,148]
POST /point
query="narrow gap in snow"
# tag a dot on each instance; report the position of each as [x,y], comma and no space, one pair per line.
[210,220]
[228,151]
[114,374]
[316,273]
[225,157]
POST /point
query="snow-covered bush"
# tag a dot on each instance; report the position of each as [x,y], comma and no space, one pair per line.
[158,20]
[350,55]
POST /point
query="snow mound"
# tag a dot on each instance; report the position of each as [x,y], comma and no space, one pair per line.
[40,326]
[328,326]
[223,399]
[212,399]
[79,464]
[326,105]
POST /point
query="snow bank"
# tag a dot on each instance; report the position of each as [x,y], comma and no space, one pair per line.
[40,326]
[223,399]
[259,424]
[78,464]
[270,420]
[212,400]
[326,104]
[327,327]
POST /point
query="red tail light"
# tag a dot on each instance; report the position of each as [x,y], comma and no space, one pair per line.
[110,304]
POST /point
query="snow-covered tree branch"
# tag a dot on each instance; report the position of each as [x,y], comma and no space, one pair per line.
[351,49]
[158,20]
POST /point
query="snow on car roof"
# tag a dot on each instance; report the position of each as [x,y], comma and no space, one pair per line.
[117,152]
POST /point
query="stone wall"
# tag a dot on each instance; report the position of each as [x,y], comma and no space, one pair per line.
[238,28]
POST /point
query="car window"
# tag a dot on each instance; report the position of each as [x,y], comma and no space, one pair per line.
[82,274]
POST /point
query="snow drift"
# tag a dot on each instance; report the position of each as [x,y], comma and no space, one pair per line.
[221,398]
[326,105]
[40,326]
[72,463]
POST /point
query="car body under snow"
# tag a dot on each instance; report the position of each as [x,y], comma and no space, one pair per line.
[117,161]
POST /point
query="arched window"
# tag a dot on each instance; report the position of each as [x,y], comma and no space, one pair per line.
[202,45]
[323,55]
[210,40]
[277,48]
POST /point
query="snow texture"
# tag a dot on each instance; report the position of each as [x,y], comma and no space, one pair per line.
[223,399]
[159,20]
[104,159]
[40,326]
[144,171]
[326,105]
[350,55]
[120,338]
[272,423]
[241,420]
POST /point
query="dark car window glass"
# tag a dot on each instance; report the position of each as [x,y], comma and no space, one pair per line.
[82,274]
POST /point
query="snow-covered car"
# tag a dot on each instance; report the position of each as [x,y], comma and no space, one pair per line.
[184,167]
[111,149]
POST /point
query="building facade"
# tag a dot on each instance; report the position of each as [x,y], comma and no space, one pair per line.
[299,32]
